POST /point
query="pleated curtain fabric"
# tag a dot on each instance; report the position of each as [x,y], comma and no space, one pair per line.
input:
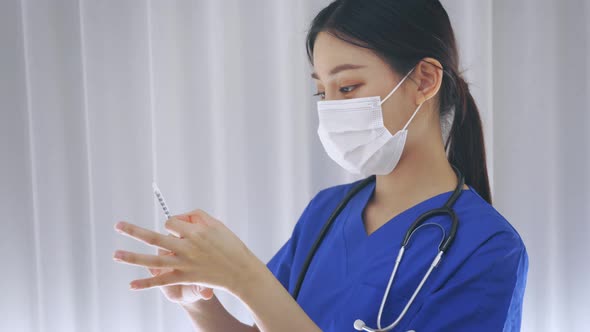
[212,99]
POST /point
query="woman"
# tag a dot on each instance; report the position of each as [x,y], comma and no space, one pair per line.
[387,76]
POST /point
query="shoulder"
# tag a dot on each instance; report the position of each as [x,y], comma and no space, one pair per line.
[481,225]
[488,253]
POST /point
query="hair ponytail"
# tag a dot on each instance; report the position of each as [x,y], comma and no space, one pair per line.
[466,148]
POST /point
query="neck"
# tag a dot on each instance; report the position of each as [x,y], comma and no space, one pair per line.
[421,173]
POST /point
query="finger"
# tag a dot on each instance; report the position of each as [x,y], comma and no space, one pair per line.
[182,217]
[181,228]
[162,252]
[149,237]
[174,233]
[145,260]
[165,279]
[206,292]
[157,271]
[195,216]
[165,252]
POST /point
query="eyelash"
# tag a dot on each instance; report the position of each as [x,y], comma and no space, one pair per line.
[349,86]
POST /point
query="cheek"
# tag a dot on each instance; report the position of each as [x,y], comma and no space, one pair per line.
[395,114]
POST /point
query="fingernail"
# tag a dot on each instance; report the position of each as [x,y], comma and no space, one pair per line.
[118,256]
[133,286]
[119,227]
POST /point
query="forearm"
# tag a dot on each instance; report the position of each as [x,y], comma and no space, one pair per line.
[271,305]
[211,316]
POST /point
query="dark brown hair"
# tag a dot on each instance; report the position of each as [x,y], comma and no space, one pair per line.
[403,32]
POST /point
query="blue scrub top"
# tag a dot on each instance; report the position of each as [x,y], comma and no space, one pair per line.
[478,285]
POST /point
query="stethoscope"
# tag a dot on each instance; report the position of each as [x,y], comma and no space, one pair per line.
[444,245]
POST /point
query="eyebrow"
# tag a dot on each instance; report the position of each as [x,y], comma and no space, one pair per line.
[338,69]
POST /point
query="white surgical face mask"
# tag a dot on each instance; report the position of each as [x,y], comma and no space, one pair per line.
[354,136]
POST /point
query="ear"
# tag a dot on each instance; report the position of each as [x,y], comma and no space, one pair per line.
[429,75]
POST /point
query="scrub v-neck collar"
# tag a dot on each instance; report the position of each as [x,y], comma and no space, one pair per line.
[359,246]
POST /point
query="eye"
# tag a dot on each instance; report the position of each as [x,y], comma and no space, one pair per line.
[321,94]
[347,89]
[343,90]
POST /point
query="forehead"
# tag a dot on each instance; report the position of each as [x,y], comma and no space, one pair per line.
[330,51]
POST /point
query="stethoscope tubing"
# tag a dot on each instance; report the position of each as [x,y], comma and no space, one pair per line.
[447,240]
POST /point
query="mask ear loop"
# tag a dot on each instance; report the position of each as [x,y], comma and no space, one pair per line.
[416,111]
[397,86]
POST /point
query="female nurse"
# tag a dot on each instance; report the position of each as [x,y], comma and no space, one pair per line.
[393,108]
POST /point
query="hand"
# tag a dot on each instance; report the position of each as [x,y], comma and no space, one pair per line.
[205,252]
[181,294]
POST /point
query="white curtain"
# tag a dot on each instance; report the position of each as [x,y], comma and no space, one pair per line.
[212,99]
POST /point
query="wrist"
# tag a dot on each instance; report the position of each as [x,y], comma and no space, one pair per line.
[191,307]
[194,300]
[250,280]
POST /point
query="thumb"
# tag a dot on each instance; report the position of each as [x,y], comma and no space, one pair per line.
[206,292]
[195,216]
[183,217]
